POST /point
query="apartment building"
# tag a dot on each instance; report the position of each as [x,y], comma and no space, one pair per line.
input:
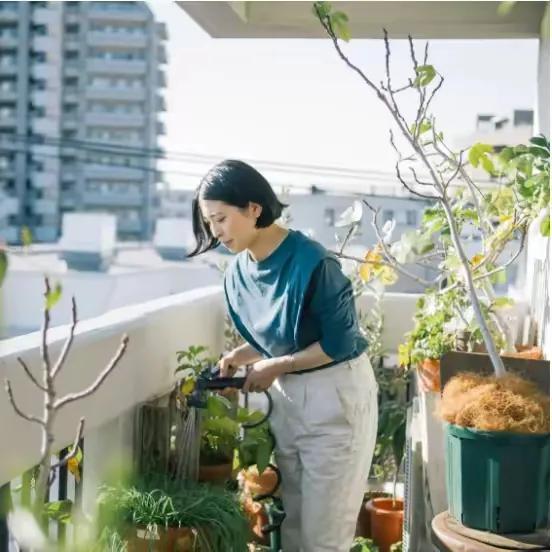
[80,101]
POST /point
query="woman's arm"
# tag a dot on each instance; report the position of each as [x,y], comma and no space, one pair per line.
[244,354]
[266,371]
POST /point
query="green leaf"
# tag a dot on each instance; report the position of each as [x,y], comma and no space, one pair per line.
[340,25]
[26,236]
[425,74]
[59,511]
[3,265]
[218,406]
[487,164]
[477,152]
[540,141]
[545,226]
[501,302]
[53,296]
[322,9]
[264,450]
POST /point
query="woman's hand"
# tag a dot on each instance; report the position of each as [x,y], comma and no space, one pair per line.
[263,373]
[228,364]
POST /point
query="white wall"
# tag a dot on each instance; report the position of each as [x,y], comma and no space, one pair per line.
[96,293]
[156,330]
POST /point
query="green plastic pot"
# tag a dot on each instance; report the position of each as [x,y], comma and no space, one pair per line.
[497,481]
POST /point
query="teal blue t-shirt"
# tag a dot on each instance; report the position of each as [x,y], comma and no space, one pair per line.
[294,297]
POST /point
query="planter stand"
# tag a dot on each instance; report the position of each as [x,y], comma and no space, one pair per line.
[450,536]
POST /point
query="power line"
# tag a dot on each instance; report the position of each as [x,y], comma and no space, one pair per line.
[161,153]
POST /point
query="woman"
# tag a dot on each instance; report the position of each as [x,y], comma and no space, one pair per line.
[294,308]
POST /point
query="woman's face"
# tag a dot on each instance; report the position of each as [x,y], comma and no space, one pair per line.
[232,226]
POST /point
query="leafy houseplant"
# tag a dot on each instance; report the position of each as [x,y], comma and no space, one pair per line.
[434,172]
[172,515]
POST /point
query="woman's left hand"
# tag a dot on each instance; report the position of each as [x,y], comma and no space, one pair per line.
[262,374]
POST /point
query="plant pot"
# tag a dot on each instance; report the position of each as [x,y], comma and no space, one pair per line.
[257,517]
[429,375]
[255,484]
[216,473]
[161,539]
[386,521]
[526,351]
[497,481]
[363,528]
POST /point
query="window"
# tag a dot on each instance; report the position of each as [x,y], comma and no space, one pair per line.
[39,30]
[71,55]
[37,84]
[38,57]
[388,214]
[411,217]
[72,28]
[329,216]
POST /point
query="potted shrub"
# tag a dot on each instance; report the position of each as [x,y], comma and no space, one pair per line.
[160,515]
[430,169]
[386,513]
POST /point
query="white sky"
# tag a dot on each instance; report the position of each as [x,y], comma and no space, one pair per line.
[294,101]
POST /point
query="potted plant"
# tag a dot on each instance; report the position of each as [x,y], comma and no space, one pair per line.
[160,515]
[386,513]
[430,169]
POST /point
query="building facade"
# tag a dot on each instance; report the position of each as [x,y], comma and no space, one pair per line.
[80,96]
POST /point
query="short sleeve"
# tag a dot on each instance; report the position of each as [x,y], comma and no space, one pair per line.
[331,306]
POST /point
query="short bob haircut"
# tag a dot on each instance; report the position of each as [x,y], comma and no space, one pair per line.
[234,183]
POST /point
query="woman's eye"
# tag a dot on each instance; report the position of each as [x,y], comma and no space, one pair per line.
[221,220]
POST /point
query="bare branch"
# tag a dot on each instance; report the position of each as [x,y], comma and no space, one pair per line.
[69,340]
[398,116]
[390,257]
[418,181]
[18,411]
[74,448]
[99,380]
[347,238]
[45,325]
[30,374]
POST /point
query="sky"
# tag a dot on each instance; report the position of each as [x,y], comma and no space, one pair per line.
[294,101]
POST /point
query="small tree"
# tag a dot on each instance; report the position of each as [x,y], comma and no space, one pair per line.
[52,404]
[432,171]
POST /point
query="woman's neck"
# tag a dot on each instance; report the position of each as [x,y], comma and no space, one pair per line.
[267,240]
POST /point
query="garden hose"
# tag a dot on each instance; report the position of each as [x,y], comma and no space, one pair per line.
[210,380]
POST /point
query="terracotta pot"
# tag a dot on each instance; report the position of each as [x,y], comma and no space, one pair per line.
[255,484]
[363,528]
[386,521]
[257,519]
[218,473]
[161,539]
[526,351]
[429,375]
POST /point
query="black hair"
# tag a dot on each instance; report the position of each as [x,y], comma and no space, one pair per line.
[235,183]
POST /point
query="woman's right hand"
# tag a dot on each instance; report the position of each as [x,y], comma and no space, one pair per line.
[228,364]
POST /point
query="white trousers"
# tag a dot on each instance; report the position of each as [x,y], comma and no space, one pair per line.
[325,425]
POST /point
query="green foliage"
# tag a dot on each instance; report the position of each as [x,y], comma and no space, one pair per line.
[428,338]
[3,265]
[53,296]
[214,513]
[362,544]
[479,156]
[26,236]
[527,171]
[336,20]
[255,447]
[59,511]
[424,75]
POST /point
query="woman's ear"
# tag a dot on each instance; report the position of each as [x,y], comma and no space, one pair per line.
[255,209]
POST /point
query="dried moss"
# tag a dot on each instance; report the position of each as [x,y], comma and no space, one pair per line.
[488,403]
